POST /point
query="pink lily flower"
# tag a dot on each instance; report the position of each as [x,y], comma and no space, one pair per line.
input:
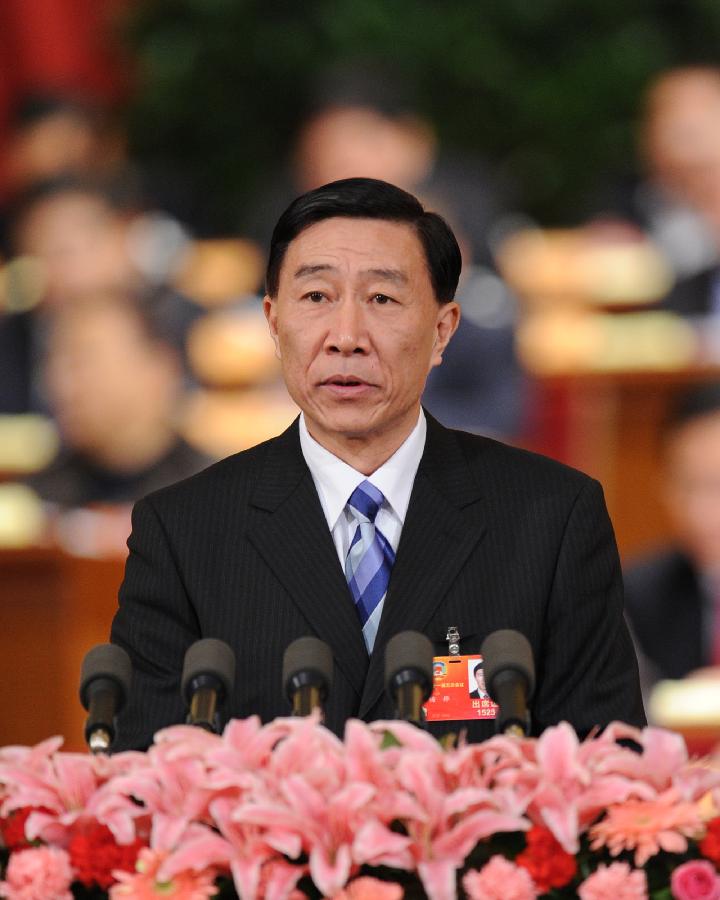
[63,783]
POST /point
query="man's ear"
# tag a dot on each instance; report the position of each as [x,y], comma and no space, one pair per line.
[270,310]
[448,319]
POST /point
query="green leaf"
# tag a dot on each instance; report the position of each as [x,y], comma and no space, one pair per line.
[389,740]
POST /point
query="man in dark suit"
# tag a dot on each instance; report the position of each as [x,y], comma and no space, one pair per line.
[670,614]
[673,595]
[301,534]
[480,692]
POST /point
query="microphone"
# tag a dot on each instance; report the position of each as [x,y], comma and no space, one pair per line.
[307,674]
[509,678]
[105,679]
[409,674]
[208,677]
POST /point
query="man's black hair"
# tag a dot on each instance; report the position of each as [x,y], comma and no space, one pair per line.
[369,198]
[478,666]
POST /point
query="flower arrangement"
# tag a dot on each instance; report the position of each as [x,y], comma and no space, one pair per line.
[287,810]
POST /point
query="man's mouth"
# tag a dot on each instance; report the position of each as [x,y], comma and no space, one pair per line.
[344,381]
[346,385]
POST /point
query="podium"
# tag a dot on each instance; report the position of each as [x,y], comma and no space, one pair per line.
[53,608]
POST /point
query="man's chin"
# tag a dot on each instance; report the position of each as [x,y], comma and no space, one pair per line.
[345,420]
[348,427]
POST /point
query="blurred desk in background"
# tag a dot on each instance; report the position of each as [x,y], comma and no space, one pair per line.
[54,608]
[608,424]
[607,358]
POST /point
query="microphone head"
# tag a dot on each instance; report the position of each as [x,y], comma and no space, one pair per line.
[308,660]
[508,650]
[409,657]
[212,660]
[106,661]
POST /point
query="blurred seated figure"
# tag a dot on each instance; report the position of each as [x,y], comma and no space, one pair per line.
[693,171]
[79,234]
[682,147]
[76,230]
[54,135]
[88,233]
[480,386]
[673,597]
[679,139]
[362,120]
[114,385]
[678,202]
[60,135]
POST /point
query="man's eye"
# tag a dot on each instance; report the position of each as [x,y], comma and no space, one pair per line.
[315,296]
[382,299]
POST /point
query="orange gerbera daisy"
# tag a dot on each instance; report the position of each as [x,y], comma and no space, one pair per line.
[144,885]
[647,827]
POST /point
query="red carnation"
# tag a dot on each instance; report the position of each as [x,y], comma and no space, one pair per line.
[94,855]
[12,829]
[546,861]
[710,844]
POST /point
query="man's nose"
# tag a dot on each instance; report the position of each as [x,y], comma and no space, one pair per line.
[347,332]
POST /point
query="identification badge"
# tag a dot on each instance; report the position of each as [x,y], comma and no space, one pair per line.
[459,690]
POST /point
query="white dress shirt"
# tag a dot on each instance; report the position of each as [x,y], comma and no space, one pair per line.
[335,481]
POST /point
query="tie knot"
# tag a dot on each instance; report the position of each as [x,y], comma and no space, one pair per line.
[366,500]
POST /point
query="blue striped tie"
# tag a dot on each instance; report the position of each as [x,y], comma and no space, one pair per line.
[369,560]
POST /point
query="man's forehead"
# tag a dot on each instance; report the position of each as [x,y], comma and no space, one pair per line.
[378,247]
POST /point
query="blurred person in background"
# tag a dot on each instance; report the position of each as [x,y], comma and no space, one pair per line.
[90,233]
[83,236]
[678,202]
[76,229]
[678,129]
[481,386]
[52,135]
[672,597]
[114,385]
[681,199]
[362,121]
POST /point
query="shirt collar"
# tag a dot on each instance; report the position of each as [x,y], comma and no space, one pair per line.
[335,480]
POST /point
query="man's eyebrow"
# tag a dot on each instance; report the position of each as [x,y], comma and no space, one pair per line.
[395,275]
[305,271]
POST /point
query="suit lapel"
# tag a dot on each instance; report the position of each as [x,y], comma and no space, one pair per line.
[289,530]
[444,523]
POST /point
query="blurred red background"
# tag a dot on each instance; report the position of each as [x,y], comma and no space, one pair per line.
[59,46]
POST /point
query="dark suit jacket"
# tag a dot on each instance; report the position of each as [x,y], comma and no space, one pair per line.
[75,480]
[480,386]
[476,695]
[664,604]
[16,363]
[494,538]
[692,296]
